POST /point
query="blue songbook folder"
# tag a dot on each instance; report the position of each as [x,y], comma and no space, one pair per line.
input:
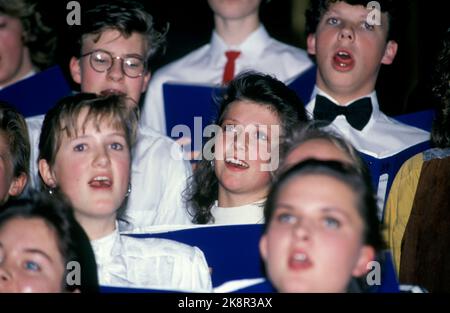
[38,93]
[231,251]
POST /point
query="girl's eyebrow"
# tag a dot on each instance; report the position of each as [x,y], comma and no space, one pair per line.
[336,210]
[286,206]
[230,120]
[39,252]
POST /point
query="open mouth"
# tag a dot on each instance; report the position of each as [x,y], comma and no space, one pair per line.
[343,61]
[108,92]
[100,182]
[299,260]
[235,163]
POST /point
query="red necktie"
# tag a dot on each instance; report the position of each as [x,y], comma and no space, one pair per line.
[228,73]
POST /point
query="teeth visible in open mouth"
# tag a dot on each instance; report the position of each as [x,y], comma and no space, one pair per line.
[236,162]
[100,181]
[343,54]
[300,257]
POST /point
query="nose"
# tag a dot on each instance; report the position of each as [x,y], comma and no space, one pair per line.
[115,73]
[302,230]
[102,158]
[5,276]
[347,33]
[240,143]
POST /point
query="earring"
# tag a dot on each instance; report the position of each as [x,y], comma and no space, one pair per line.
[128,191]
[51,191]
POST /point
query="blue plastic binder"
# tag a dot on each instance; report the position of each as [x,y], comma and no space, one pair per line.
[304,83]
[38,93]
[231,251]
[191,105]
[184,102]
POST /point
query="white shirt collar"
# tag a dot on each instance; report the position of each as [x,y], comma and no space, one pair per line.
[381,137]
[251,213]
[253,45]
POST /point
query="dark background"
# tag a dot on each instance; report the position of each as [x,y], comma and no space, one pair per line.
[402,87]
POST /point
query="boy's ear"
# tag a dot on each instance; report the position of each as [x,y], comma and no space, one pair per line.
[75,69]
[263,247]
[17,185]
[46,174]
[367,254]
[390,52]
[311,44]
[146,80]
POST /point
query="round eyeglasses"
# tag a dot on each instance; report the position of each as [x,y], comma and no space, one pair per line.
[102,61]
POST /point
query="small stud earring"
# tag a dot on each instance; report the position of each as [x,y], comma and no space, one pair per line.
[128,191]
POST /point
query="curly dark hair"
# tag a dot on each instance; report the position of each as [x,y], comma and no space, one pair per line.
[317,8]
[38,37]
[358,181]
[14,128]
[73,243]
[259,88]
[440,133]
[125,16]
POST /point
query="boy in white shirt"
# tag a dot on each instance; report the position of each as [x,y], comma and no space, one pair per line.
[116,42]
[350,47]
[237,29]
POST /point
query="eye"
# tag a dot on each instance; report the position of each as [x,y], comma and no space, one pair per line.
[32,266]
[229,128]
[331,222]
[368,26]
[80,147]
[117,146]
[286,218]
[133,63]
[332,21]
[261,135]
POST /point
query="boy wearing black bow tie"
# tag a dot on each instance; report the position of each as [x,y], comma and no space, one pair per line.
[350,41]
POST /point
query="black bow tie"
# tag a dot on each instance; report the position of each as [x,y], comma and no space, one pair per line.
[357,113]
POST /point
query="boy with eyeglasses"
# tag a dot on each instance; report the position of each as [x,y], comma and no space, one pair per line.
[116,42]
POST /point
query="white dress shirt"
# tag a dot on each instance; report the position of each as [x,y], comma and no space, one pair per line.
[151,263]
[381,137]
[158,178]
[205,66]
[252,213]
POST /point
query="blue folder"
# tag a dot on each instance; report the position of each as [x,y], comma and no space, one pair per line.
[38,93]
[303,84]
[184,102]
[231,251]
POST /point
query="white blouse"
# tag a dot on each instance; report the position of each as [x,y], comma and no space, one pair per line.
[150,263]
[252,213]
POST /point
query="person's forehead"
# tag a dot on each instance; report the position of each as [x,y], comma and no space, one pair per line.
[113,41]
